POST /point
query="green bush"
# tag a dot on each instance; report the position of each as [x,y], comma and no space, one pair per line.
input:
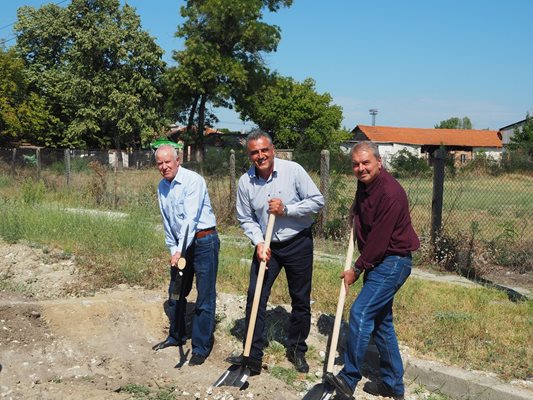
[404,163]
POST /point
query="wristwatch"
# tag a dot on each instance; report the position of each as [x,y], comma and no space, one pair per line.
[285,211]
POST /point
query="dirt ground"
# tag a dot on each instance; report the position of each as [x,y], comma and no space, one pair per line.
[59,342]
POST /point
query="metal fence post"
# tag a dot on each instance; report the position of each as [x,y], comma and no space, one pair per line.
[67,167]
[38,162]
[232,189]
[324,189]
[438,194]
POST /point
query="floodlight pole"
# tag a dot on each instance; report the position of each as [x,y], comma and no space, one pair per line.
[373,112]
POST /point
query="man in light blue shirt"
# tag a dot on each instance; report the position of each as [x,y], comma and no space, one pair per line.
[283,188]
[185,207]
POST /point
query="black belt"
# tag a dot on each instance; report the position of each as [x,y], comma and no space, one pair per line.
[305,232]
[204,232]
[405,254]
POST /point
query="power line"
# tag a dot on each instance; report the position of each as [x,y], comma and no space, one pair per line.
[13,23]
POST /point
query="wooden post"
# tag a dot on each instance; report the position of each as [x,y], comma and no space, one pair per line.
[67,167]
[38,162]
[232,188]
[13,159]
[438,194]
[324,189]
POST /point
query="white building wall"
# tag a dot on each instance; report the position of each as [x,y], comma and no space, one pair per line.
[389,150]
[492,152]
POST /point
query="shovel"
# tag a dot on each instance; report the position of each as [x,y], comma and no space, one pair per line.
[236,375]
[322,391]
[182,263]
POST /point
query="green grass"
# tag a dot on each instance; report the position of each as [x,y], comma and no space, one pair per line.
[142,392]
[112,251]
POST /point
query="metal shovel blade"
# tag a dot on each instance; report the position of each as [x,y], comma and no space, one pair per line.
[319,392]
[236,375]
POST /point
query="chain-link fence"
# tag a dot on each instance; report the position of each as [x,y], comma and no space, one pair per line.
[486,215]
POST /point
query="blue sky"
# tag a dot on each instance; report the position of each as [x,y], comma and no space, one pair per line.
[417,61]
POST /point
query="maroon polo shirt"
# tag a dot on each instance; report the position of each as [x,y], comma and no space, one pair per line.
[382,221]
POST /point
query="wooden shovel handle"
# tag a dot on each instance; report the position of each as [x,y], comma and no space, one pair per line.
[340,307]
[258,287]
[182,263]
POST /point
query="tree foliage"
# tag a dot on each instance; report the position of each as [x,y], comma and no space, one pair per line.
[96,68]
[522,139]
[524,135]
[295,115]
[24,115]
[455,123]
[222,58]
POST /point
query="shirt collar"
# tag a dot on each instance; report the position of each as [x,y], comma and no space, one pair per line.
[253,175]
[177,179]
[372,187]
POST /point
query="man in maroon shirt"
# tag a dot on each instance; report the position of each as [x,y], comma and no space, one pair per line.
[385,238]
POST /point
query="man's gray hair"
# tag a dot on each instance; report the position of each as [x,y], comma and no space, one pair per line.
[366,145]
[256,135]
[167,147]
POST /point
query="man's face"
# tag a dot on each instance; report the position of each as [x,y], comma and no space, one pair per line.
[261,154]
[366,166]
[167,164]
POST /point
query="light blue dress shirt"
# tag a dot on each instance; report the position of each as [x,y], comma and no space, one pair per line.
[288,182]
[184,201]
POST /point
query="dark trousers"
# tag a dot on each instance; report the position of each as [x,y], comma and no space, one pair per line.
[202,262]
[296,256]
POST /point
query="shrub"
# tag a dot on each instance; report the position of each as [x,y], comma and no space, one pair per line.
[405,163]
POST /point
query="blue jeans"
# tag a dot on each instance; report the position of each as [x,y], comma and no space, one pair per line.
[202,261]
[371,314]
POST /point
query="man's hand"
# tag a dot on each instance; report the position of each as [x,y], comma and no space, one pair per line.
[259,253]
[174,259]
[276,207]
[350,276]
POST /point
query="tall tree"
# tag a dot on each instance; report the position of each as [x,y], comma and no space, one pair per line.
[24,115]
[224,43]
[295,115]
[523,136]
[455,123]
[97,68]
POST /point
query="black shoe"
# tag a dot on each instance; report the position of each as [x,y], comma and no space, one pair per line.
[196,359]
[169,342]
[298,359]
[381,389]
[340,385]
[255,364]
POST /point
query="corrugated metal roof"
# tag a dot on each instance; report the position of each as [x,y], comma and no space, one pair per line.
[430,136]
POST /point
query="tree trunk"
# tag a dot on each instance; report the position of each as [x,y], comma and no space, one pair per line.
[190,125]
[200,151]
[118,155]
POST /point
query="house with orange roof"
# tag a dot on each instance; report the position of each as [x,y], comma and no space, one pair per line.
[462,144]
